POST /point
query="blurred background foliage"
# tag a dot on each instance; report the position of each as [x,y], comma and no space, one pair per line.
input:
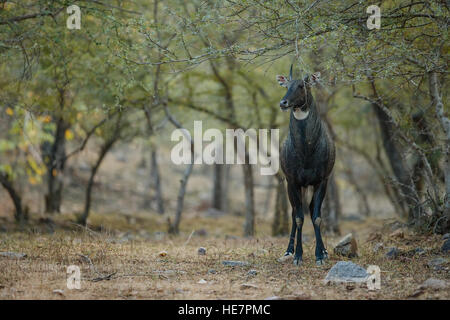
[138,69]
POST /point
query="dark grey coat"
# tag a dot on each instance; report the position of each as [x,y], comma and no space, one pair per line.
[308,153]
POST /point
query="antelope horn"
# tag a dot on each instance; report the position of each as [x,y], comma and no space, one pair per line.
[290,74]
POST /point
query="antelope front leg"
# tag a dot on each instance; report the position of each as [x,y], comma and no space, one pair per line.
[297,224]
[315,210]
[290,248]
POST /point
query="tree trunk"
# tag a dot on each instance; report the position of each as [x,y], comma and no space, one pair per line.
[19,214]
[175,227]
[87,202]
[54,158]
[445,126]
[156,180]
[280,225]
[249,226]
[403,177]
[332,207]
[155,177]
[217,197]
[225,188]
[221,174]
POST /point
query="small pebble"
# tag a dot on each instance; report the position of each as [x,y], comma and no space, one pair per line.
[252,272]
[392,253]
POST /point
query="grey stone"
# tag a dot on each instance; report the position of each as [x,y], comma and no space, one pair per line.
[252,272]
[416,251]
[437,263]
[347,247]
[212,271]
[201,251]
[229,263]
[392,253]
[419,251]
[13,255]
[346,271]
[435,284]
[446,246]
[446,236]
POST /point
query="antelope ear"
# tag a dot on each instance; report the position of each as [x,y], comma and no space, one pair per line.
[282,80]
[314,78]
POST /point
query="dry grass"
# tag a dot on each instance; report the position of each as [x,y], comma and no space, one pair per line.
[139,272]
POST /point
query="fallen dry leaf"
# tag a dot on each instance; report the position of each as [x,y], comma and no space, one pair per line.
[162,253]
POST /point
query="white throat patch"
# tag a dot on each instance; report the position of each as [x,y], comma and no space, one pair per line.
[300,115]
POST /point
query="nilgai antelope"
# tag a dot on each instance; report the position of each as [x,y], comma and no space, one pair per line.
[307,158]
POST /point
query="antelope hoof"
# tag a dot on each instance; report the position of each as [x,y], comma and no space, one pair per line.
[325,255]
[320,262]
[298,261]
[287,257]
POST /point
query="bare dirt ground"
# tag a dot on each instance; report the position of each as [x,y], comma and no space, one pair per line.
[123,258]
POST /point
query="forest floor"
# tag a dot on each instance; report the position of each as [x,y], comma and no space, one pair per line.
[131,258]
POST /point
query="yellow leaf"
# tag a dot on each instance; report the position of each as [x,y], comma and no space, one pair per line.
[54,172]
[46,119]
[32,180]
[9,111]
[68,135]
[36,168]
